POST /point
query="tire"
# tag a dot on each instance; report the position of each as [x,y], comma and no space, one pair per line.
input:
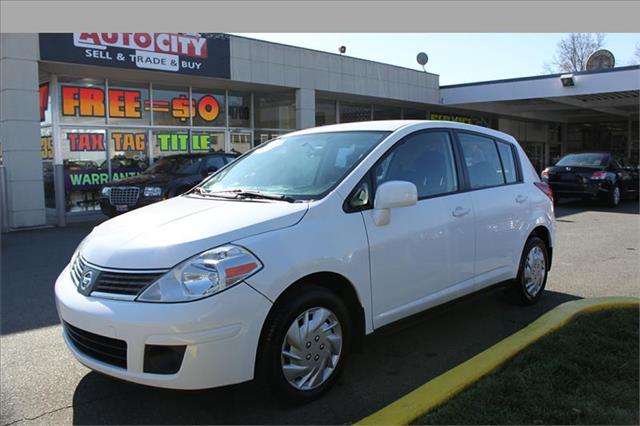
[312,352]
[523,291]
[613,199]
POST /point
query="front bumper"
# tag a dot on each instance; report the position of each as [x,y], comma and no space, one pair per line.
[221,334]
[110,210]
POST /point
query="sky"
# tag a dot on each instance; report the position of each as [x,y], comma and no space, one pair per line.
[457,58]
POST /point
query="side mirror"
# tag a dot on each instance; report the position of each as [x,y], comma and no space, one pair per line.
[391,195]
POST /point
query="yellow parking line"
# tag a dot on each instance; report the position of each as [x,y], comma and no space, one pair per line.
[437,391]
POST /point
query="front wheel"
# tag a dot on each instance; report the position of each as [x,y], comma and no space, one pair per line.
[532,272]
[305,343]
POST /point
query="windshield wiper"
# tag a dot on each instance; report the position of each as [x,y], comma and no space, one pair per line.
[201,191]
[243,193]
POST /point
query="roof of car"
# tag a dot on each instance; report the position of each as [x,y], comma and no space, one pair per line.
[394,125]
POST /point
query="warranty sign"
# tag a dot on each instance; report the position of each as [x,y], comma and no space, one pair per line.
[205,54]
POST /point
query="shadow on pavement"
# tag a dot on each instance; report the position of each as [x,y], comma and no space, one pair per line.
[573,206]
[394,361]
[31,262]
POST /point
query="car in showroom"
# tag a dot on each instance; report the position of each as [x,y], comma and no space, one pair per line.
[277,266]
[167,177]
[593,175]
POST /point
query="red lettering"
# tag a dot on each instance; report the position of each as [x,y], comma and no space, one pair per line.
[142,40]
[44,100]
[110,38]
[86,141]
[94,37]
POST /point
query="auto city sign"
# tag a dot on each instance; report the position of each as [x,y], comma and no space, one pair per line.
[194,53]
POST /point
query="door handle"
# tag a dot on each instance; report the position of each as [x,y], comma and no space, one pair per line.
[521,199]
[460,211]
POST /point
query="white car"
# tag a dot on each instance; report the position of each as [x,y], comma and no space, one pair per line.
[279,263]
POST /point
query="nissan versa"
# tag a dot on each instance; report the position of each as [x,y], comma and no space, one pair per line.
[278,264]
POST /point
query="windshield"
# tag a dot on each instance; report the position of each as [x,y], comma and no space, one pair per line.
[175,166]
[302,166]
[584,160]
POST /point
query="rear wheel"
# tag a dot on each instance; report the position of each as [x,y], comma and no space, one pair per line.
[532,273]
[305,344]
[613,199]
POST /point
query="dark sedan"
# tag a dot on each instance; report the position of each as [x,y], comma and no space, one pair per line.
[595,175]
[167,177]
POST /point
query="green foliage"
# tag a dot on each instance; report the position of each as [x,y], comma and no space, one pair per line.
[585,373]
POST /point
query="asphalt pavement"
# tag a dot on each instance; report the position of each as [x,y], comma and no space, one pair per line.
[596,254]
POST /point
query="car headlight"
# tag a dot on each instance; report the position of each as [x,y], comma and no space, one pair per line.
[203,275]
[106,191]
[152,191]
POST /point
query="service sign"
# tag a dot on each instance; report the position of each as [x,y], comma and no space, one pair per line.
[205,54]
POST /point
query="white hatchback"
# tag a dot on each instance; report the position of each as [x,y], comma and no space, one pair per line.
[279,263]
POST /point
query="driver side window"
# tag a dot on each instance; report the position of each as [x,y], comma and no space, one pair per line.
[424,159]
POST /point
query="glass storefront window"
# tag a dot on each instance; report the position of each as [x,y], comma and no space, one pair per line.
[128,151]
[275,110]
[384,112]
[170,106]
[325,112]
[82,101]
[207,141]
[414,114]
[354,112]
[169,142]
[239,109]
[46,144]
[45,104]
[240,141]
[85,168]
[208,108]
[128,103]
[261,136]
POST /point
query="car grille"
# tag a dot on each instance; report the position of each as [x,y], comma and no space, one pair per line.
[115,284]
[123,283]
[124,195]
[105,349]
[76,270]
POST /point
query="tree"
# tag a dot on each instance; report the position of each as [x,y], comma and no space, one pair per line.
[636,55]
[573,51]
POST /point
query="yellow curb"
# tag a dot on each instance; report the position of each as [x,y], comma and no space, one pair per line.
[437,391]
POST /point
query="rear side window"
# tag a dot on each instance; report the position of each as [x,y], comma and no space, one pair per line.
[508,162]
[425,159]
[216,162]
[482,160]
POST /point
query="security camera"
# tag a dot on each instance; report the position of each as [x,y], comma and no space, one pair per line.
[342,50]
[567,80]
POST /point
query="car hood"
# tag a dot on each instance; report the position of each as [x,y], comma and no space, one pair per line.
[163,234]
[144,179]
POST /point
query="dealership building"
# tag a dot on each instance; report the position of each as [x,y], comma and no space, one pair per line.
[78,110]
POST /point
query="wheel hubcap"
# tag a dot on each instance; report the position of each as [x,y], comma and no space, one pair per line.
[311,349]
[534,271]
[616,195]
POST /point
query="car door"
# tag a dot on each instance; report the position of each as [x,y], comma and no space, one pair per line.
[500,202]
[426,248]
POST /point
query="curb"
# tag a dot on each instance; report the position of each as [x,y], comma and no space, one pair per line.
[437,391]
